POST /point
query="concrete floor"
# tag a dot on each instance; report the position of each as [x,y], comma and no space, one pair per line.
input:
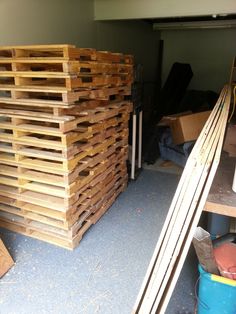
[104,274]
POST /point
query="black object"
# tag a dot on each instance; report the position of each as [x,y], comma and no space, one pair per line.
[136,95]
[151,148]
[174,88]
[228,237]
[197,100]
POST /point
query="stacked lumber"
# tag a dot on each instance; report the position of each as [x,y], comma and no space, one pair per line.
[63,138]
[184,213]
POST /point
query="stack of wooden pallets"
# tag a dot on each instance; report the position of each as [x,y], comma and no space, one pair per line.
[64,115]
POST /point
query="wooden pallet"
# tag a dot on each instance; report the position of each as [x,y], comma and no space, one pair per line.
[51,230]
[50,52]
[88,195]
[34,83]
[63,138]
[63,115]
[62,99]
[32,186]
[59,68]
[44,94]
[27,182]
[58,97]
[34,145]
[20,125]
[62,52]
[38,232]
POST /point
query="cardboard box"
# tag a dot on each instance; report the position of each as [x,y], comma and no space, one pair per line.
[166,120]
[187,127]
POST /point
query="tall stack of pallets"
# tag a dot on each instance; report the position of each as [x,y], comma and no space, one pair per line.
[64,115]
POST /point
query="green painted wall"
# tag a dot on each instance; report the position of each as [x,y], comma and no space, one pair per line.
[133,37]
[210,53]
[47,21]
[140,9]
[25,22]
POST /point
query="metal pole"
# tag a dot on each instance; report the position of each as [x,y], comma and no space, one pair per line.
[140,139]
[133,146]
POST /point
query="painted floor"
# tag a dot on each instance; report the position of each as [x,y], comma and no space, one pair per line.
[104,274]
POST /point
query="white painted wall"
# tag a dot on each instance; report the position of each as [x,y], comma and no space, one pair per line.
[134,9]
[47,21]
[210,53]
[132,37]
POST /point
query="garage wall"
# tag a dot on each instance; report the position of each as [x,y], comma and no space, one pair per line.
[140,9]
[71,21]
[132,37]
[210,53]
[47,21]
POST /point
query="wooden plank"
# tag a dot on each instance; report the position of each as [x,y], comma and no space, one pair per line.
[183,183]
[172,215]
[213,165]
[191,193]
[207,164]
[221,198]
[6,262]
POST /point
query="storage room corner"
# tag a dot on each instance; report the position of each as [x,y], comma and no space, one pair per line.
[117,157]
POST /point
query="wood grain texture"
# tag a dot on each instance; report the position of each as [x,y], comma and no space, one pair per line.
[64,121]
[6,262]
[169,254]
[222,199]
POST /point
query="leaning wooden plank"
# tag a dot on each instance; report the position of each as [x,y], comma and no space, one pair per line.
[185,176]
[191,161]
[192,208]
[6,262]
[188,239]
[183,210]
[180,237]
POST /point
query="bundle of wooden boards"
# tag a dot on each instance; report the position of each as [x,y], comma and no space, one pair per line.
[64,115]
[184,213]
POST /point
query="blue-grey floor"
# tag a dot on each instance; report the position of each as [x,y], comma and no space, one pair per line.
[103,275]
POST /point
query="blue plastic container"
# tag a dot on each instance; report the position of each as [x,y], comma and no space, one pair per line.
[218,225]
[216,294]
